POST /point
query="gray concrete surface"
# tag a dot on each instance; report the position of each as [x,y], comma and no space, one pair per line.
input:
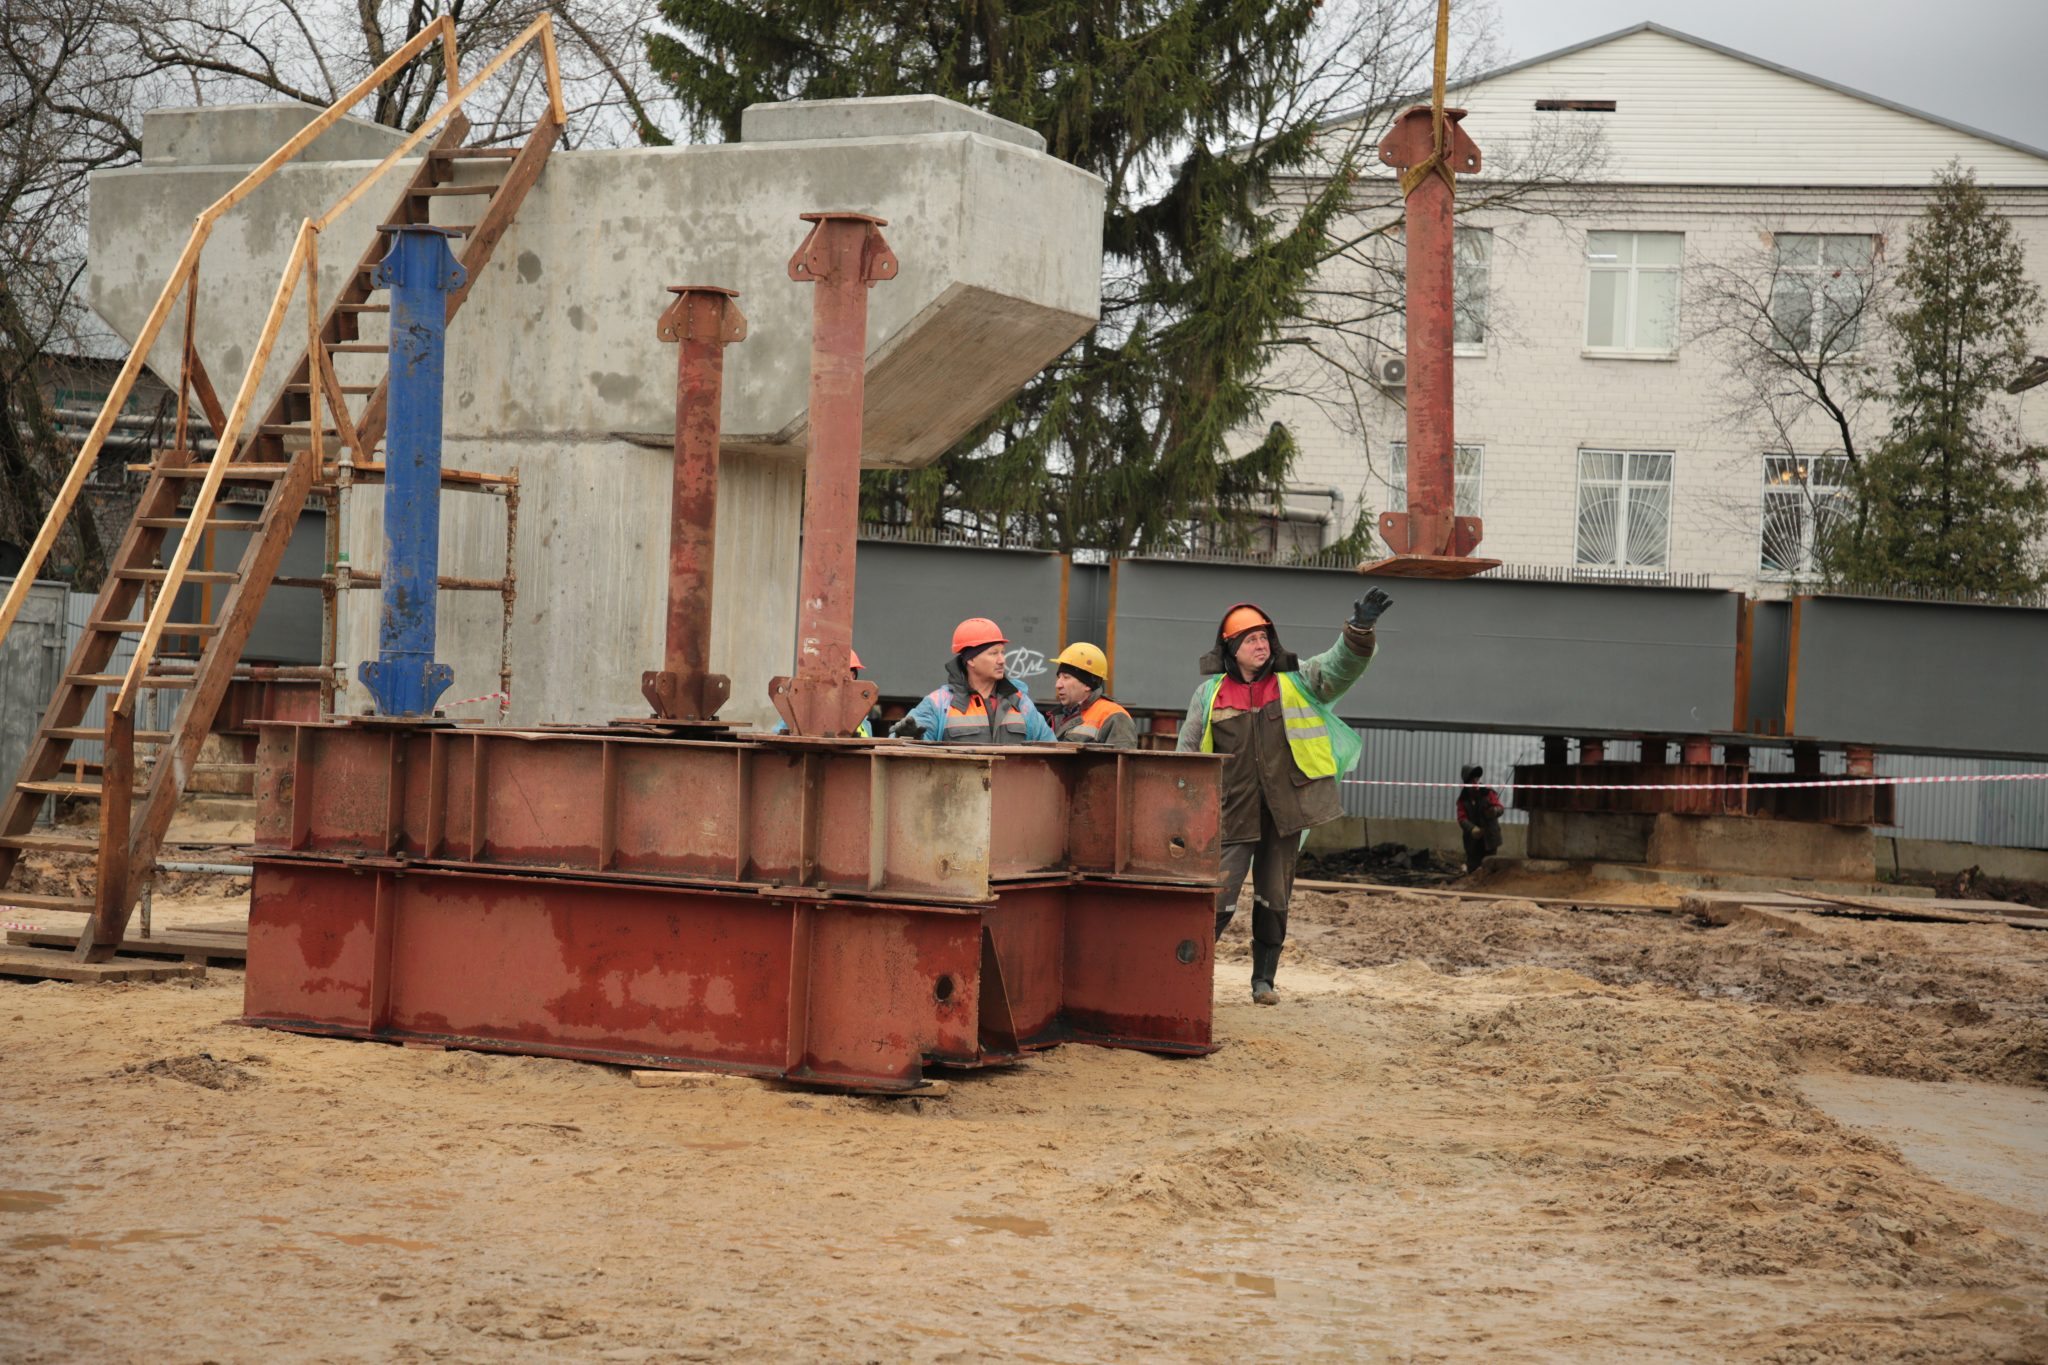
[554,367]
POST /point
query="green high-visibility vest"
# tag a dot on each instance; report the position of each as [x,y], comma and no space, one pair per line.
[1321,744]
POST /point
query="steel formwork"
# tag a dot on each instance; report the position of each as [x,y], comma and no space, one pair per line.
[847,910]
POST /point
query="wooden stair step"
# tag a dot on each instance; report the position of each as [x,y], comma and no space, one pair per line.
[235,471]
[438,190]
[452,229]
[47,843]
[295,429]
[56,788]
[473,153]
[94,733]
[191,576]
[116,679]
[23,900]
[357,347]
[362,307]
[170,627]
[345,388]
[210,524]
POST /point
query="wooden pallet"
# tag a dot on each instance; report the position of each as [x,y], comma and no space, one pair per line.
[55,964]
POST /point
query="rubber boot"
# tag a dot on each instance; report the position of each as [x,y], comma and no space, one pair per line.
[1265,964]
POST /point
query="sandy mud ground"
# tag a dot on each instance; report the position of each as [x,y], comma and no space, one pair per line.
[1477,1131]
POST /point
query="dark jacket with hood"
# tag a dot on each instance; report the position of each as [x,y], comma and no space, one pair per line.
[1016,719]
[1261,772]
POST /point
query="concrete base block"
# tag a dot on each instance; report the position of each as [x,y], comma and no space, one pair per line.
[1590,838]
[1783,848]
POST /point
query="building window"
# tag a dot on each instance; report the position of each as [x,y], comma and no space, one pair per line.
[1466,464]
[1632,292]
[1471,283]
[1818,291]
[1805,497]
[1625,508]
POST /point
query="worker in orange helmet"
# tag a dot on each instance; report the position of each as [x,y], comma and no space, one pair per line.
[1287,750]
[978,704]
[1084,714]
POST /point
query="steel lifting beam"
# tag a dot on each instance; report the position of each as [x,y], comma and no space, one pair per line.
[703,321]
[844,256]
[420,272]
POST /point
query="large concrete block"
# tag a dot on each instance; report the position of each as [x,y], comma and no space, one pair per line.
[554,367]
[244,134]
[1771,848]
[890,116]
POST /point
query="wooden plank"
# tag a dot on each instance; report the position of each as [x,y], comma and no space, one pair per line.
[47,964]
[1566,902]
[1919,908]
[183,944]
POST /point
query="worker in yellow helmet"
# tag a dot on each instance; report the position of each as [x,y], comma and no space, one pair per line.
[1270,713]
[1084,715]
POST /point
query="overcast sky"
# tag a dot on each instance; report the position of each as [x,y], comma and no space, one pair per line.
[1980,62]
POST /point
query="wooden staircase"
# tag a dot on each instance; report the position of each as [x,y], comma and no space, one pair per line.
[280,461]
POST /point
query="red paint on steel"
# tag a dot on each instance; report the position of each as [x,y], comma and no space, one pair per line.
[1138,967]
[844,993]
[1431,525]
[704,320]
[844,256]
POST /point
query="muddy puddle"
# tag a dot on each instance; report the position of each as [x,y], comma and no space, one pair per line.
[1990,1140]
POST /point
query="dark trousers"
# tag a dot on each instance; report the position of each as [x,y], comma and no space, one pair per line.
[1481,841]
[1270,863]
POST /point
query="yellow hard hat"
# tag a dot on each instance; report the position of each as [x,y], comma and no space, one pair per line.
[1085,657]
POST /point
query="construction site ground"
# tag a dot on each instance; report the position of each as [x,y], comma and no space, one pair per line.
[1472,1130]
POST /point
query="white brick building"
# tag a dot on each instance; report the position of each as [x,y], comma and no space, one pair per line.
[1604,426]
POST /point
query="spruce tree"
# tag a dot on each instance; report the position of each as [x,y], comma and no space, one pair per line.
[1953,499]
[1187,109]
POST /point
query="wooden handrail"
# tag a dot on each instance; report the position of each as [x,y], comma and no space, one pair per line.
[442,30]
[303,261]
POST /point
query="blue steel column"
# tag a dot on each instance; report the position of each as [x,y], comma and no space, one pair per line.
[419,271]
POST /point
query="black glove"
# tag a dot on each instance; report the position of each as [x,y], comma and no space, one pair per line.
[1367,609]
[907,728]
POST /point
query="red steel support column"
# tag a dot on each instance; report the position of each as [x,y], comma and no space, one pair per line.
[705,320]
[1431,525]
[844,256]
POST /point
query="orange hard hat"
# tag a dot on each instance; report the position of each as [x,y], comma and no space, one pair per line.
[853,658]
[975,632]
[1242,619]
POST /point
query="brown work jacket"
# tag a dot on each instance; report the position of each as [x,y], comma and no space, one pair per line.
[1260,773]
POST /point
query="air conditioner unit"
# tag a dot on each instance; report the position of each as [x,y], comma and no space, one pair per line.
[1391,371]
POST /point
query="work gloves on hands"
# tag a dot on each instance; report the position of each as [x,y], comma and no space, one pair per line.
[1367,609]
[907,728]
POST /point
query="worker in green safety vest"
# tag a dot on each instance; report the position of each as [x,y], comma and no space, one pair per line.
[1287,750]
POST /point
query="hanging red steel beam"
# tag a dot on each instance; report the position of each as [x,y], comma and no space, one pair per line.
[844,256]
[704,320]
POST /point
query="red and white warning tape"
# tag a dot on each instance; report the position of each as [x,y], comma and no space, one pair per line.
[504,700]
[1765,782]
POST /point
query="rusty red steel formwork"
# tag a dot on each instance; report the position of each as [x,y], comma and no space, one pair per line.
[1091,871]
[703,320]
[843,256]
[1725,789]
